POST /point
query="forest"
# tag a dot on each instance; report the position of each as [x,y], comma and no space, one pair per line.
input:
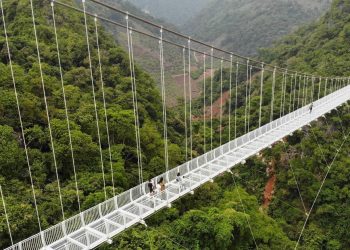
[211,219]
[246,26]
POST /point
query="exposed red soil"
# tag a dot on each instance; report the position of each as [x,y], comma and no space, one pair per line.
[270,185]
[221,101]
[195,84]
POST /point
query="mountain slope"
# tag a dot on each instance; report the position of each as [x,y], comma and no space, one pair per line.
[321,47]
[14,176]
[177,12]
[146,49]
[198,222]
[246,25]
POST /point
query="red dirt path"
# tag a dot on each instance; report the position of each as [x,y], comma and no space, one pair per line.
[270,186]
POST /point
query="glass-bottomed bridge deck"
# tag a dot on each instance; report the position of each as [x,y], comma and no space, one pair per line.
[100,223]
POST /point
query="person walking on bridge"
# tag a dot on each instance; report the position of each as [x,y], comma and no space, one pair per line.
[150,187]
[311,106]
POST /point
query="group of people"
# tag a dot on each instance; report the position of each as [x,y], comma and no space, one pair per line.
[160,186]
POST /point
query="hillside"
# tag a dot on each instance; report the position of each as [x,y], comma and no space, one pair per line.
[305,156]
[176,12]
[213,218]
[14,176]
[146,48]
[244,26]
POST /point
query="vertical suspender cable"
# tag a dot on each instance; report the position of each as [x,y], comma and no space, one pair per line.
[104,105]
[185,102]
[284,91]
[319,88]
[47,111]
[165,127]
[136,105]
[261,92]
[325,87]
[134,97]
[304,87]
[65,106]
[204,105]
[190,94]
[336,84]
[236,97]
[230,100]
[299,89]
[211,96]
[20,120]
[246,98]
[291,93]
[94,99]
[6,216]
[273,93]
[306,90]
[221,101]
[250,83]
[295,89]
[312,88]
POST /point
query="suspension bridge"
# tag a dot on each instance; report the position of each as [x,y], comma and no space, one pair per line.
[99,224]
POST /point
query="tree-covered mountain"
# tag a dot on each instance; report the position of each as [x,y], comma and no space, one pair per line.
[244,26]
[203,221]
[146,48]
[176,12]
[14,175]
[214,217]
